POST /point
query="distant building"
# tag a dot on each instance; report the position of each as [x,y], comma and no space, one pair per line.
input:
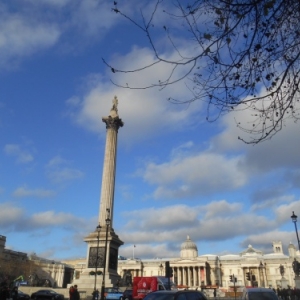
[12,262]
[37,271]
[193,270]
[213,270]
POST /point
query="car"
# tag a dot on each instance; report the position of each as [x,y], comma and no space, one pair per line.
[127,294]
[23,296]
[176,295]
[47,294]
[259,294]
[113,294]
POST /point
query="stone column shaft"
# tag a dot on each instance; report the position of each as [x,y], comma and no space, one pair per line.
[108,177]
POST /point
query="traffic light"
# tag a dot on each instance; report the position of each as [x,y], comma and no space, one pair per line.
[231,278]
[167,269]
[253,278]
[248,276]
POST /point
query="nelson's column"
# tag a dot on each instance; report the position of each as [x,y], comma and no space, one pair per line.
[101,269]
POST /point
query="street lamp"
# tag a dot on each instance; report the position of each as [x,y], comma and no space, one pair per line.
[98,228]
[294,219]
[161,267]
[107,221]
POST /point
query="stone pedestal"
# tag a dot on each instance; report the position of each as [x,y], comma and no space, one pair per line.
[86,281]
[297,282]
[284,283]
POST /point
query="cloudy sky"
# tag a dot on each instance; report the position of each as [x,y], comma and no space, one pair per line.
[177,175]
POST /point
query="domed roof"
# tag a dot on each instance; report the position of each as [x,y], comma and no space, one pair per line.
[188,245]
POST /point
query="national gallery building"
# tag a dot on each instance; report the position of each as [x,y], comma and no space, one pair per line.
[265,270]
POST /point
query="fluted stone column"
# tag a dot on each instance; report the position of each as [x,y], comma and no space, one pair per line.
[113,123]
[108,239]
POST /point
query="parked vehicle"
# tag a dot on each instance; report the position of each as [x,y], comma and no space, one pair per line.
[145,285]
[127,294]
[47,294]
[113,294]
[259,294]
[176,295]
[23,296]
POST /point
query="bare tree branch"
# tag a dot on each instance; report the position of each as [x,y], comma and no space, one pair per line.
[243,55]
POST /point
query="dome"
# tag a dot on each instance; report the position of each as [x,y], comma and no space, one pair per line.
[188,245]
[188,249]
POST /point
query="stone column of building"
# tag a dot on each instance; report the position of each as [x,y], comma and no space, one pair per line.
[189,276]
[179,276]
[199,276]
[105,240]
[265,276]
[195,276]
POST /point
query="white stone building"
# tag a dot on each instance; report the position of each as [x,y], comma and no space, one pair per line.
[193,270]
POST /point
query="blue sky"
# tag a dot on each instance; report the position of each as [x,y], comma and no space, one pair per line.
[177,175]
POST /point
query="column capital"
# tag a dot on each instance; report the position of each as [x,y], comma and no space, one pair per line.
[113,123]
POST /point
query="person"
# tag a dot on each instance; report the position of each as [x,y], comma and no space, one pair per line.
[75,294]
[215,293]
[71,290]
[14,293]
[95,294]
[4,291]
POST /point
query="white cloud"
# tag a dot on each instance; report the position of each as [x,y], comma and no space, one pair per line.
[21,36]
[219,220]
[157,218]
[264,240]
[194,175]
[23,191]
[9,214]
[155,251]
[284,211]
[52,218]
[94,17]
[145,112]
[58,171]
[28,27]
[14,218]
[22,156]
[222,208]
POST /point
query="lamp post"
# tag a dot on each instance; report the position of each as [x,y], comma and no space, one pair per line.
[294,219]
[107,221]
[161,267]
[98,228]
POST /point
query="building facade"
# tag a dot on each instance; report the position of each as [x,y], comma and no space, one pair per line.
[191,270]
[37,271]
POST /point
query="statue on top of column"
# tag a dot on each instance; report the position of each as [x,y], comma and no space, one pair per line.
[114,109]
[113,121]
